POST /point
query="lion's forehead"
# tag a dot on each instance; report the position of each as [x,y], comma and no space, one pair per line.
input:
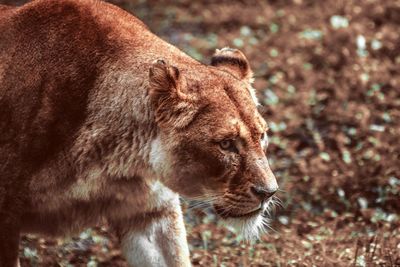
[247,118]
[246,128]
[232,104]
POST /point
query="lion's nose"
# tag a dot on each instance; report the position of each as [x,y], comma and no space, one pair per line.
[263,193]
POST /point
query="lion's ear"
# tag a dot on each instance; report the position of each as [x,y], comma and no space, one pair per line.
[172,107]
[232,61]
[164,81]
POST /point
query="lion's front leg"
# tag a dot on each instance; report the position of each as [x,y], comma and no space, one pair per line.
[156,238]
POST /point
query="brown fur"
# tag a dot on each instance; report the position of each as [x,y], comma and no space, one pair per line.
[84,105]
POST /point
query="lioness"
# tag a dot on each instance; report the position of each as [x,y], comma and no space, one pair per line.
[101,119]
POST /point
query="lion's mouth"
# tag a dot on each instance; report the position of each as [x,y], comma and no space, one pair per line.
[250,223]
[232,214]
[248,214]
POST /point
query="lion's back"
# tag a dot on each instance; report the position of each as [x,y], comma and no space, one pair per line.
[50,53]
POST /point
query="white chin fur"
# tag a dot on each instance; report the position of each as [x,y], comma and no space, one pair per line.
[251,228]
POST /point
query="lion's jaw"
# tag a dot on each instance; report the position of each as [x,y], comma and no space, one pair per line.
[253,226]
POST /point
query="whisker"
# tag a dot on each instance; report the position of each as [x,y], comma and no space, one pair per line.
[199,206]
[203,197]
[278,201]
[266,224]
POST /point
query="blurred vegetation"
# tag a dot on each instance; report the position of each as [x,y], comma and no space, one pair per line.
[328,73]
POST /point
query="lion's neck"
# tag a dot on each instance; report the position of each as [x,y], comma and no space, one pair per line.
[120,129]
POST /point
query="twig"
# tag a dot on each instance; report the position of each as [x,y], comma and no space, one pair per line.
[356,254]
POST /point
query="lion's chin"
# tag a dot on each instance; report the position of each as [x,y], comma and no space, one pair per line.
[250,227]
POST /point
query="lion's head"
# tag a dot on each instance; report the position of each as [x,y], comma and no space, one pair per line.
[212,140]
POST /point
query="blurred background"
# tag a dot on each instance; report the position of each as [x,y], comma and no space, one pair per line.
[328,73]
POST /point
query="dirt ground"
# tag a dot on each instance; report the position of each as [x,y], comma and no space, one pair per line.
[328,74]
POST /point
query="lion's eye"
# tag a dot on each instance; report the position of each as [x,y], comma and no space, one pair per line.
[228,144]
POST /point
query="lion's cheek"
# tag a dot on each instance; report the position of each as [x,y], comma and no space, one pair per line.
[185,180]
